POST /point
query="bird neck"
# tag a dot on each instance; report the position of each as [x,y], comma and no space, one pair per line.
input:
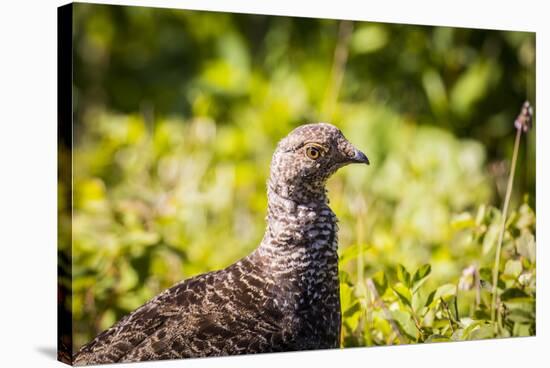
[298,228]
[299,253]
[300,190]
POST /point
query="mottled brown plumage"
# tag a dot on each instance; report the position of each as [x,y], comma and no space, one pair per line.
[282,297]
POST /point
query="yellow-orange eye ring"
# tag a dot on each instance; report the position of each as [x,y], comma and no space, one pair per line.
[313,152]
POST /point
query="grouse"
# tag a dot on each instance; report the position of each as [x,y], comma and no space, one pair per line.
[284,296]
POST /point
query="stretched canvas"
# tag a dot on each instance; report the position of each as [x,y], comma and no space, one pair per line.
[243,183]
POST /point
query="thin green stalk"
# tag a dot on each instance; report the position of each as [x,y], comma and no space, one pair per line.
[341,52]
[449,316]
[503,228]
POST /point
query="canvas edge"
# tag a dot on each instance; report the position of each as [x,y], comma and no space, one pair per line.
[64,177]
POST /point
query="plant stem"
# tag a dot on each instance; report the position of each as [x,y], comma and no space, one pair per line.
[503,227]
[341,52]
[449,317]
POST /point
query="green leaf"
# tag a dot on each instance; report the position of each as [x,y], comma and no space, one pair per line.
[352,252]
[527,304]
[420,276]
[352,315]
[463,220]
[521,316]
[368,39]
[472,85]
[482,332]
[108,318]
[468,329]
[513,293]
[458,335]
[406,323]
[380,282]
[345,278]
[430,298]
[403,275]
[482,314]
[403,293]
[353,309]
[490,239]
[437,338]
[347,297]
[521,329]
[513,268]
[128,279]
[525,246]
[526,219]
[422,272]
[418,302]
[480,216]
[486,274]
[435,90]
[141,238]
[445,291]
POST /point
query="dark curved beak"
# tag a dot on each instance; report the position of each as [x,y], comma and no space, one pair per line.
[360,158]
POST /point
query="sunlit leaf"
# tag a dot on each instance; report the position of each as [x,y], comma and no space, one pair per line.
[420,276]
[352,252]
[430,298]
[526,246]
[435,89]
[403,275]
[463,221]
[481,332]
[490,239]
[521,316]
[369,39]
[403,293]
[380,282]
[512,268]
[472,85]
[522,329]
[405,322]
[445,291]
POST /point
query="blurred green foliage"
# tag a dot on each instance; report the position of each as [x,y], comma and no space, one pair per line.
[177,114]
[397,306]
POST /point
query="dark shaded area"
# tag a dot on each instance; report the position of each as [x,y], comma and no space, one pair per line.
[64,178]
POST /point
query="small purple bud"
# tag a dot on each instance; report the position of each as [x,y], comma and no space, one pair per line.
[525,118]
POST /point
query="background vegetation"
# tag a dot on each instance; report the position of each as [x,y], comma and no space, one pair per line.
[177,114]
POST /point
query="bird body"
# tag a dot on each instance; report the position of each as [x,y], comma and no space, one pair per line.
[282,297]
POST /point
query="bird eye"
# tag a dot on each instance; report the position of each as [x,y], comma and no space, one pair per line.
[313,152]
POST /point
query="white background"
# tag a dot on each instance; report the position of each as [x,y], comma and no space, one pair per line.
[28,181]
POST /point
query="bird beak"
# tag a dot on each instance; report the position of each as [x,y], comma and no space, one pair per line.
[360,158]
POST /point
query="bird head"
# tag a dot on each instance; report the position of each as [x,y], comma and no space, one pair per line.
[307,157]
